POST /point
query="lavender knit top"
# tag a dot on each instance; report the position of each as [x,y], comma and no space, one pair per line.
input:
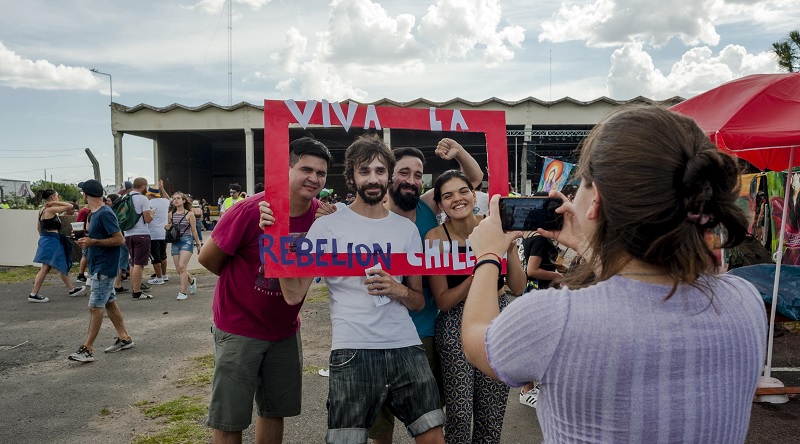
[618,363]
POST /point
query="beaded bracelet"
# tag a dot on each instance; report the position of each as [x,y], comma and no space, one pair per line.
[487,261]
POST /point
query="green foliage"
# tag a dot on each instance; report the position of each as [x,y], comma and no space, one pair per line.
[10,275]
[181,432]
[18,202]
[178,409]
[787,52]
[67,192]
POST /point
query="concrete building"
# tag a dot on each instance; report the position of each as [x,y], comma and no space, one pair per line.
[203,149]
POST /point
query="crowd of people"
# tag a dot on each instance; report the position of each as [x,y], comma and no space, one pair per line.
[111,255]
[440,353]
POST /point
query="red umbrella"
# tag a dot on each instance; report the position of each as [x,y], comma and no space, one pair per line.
[755,117]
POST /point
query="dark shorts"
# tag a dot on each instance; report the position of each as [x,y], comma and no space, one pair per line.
[158,250]
[362,380]
[385,420]
[139,248]
[246,367]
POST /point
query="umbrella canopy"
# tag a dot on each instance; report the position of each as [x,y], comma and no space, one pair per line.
[757,117]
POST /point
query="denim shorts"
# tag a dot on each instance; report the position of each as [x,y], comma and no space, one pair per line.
[185,244]
[124,258]
[102,290]
[246,367]
[362,380]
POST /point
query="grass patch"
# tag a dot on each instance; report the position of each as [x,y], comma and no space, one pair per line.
[181,432]
[12,275]
[105,412]
[792,326]
[178,409]
[203,375]
[312,369]
[319,294]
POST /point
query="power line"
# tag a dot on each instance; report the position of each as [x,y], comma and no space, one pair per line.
[40,151]
[37,157]
[45,168]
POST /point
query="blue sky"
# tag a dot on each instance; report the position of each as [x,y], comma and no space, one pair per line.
[176,51]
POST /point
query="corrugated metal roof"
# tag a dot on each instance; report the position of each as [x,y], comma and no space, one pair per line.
[420,101]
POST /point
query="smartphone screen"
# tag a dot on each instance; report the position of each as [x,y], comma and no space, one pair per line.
[530,213]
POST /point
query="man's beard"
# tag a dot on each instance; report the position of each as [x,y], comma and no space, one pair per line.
[406,202]
[372,200]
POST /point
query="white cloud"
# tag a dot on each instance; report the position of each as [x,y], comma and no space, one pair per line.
[457,27]
[293,52]
[633,72]
[604,23]
[316,79]
[215,6]
[17,72]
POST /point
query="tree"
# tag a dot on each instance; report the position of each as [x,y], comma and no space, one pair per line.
[788,52]
[66,191]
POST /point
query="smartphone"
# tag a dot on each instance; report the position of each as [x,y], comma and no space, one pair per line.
[530,213]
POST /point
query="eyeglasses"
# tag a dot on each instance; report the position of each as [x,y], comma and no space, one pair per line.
[233,191]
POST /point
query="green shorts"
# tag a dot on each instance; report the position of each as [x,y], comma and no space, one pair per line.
[247,368]
[385,420]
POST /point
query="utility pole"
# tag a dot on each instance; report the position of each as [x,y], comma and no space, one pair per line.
[95,164]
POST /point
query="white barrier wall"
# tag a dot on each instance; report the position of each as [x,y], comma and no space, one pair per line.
[18,237]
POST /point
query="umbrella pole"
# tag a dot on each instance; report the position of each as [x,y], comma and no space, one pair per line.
[767,380]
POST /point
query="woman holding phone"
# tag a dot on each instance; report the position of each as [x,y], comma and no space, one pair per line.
[183,217]
[647,343]
[473,400]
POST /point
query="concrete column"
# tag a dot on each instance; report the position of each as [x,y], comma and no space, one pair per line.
[523,186]
[249,156]
[387,137]
[118,173]
[156,166]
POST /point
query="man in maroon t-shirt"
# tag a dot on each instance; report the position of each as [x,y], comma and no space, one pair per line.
[256,333]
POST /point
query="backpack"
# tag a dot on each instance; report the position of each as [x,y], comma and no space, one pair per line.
[126,212]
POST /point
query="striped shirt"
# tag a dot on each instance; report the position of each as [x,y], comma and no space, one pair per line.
[618,363]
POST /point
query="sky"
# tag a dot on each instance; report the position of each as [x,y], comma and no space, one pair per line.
[177,51]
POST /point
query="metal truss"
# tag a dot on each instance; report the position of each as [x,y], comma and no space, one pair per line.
[547,133]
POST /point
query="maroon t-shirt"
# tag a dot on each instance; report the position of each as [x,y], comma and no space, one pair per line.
[245,303]
[82,213]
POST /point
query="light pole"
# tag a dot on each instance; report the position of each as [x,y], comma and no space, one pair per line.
[117,140]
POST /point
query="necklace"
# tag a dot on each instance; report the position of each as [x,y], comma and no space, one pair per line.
[643,273]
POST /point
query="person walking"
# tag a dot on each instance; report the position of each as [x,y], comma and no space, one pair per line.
[648,343]
[183,218]
[160,203]
[103,245]
[54,249]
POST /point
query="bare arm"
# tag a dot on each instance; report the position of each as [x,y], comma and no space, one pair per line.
[445,297]
[193,226]
[295,289]
[450,149]
[515,275]
[534,270]
[212,257]
[115,240]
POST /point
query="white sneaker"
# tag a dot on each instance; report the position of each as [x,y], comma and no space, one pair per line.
[530,397]
[193,286]
[165,277]
[182,296]
[156,281]
[78,291]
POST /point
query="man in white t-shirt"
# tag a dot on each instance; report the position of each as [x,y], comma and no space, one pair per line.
[376,354]
[159,202]
[137,239]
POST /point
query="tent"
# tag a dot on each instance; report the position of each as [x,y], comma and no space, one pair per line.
[756,118]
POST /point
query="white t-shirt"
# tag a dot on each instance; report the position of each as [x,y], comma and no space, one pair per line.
[141,204]
[481,203]
[357,323]
[156,226]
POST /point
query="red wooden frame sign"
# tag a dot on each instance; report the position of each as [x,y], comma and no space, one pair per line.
[350,260]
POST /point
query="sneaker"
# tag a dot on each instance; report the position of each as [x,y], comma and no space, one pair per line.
[78,291]
[144,286]
[530,397]
[82,355]
[81,278]
[156,281]
[120,345]
[141,296]
[125,275]
[37,298]
[165,277]
[182,296]
[193,286]
[153,275]
[118,290]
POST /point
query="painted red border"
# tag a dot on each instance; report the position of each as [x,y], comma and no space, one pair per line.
[278,117]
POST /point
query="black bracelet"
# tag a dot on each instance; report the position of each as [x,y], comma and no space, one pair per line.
[487,261]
